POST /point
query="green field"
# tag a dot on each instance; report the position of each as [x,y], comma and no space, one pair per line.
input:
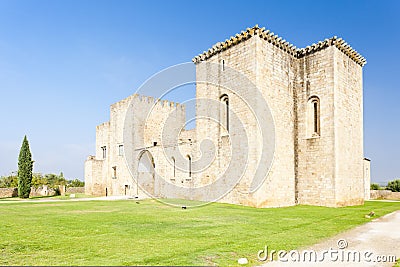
[152,233]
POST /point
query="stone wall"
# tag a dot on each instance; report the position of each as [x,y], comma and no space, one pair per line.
[8,192]
[94,181]
[385,194]
[314,152]
[330,169]
[75,190]
[276,70]
[348,116]
[141,117]
[215,83]
[35,192]
[42,191]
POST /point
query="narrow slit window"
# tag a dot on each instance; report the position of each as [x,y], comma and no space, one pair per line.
[225,111]
[313,117]
[120,150]
[190,165]
[104,150]
[174,165]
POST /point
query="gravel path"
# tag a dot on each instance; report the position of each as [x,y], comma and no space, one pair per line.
[375,241]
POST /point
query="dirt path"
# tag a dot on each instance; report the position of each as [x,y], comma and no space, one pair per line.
[373,242]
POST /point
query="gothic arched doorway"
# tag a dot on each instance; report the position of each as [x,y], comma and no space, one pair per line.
[146,173]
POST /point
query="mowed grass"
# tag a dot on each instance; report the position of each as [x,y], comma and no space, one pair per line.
[152,233]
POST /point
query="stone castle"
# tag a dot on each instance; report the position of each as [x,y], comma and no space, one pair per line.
[315,100]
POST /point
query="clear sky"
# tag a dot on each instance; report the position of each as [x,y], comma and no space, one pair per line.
[62,63]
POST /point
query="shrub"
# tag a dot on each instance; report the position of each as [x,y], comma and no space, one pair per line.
[57,191]
[374,186]
[394,185]
[9,181]
[76,183]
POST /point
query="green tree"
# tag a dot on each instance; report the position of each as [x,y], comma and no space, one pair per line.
[25,166]
[61,179]
[54,179]
[38,180]
[394,185]
[9,181]
[76,183]
[374,186]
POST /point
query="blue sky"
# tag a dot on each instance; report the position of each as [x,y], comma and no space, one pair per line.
[62,63]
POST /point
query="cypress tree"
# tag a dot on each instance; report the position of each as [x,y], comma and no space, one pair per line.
[25,166]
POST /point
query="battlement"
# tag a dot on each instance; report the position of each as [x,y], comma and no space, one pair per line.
[151,101]
[282,44]
[91,157]
[103,125]
[141,102]
[334,41]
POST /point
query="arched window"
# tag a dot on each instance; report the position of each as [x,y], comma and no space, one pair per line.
[313,117]
[190,165]
[174,165]
[223,65]
[316,122]
[225,111]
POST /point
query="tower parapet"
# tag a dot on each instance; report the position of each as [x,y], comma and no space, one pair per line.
[277,41]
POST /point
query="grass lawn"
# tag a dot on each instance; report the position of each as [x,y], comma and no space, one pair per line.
[151,233]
